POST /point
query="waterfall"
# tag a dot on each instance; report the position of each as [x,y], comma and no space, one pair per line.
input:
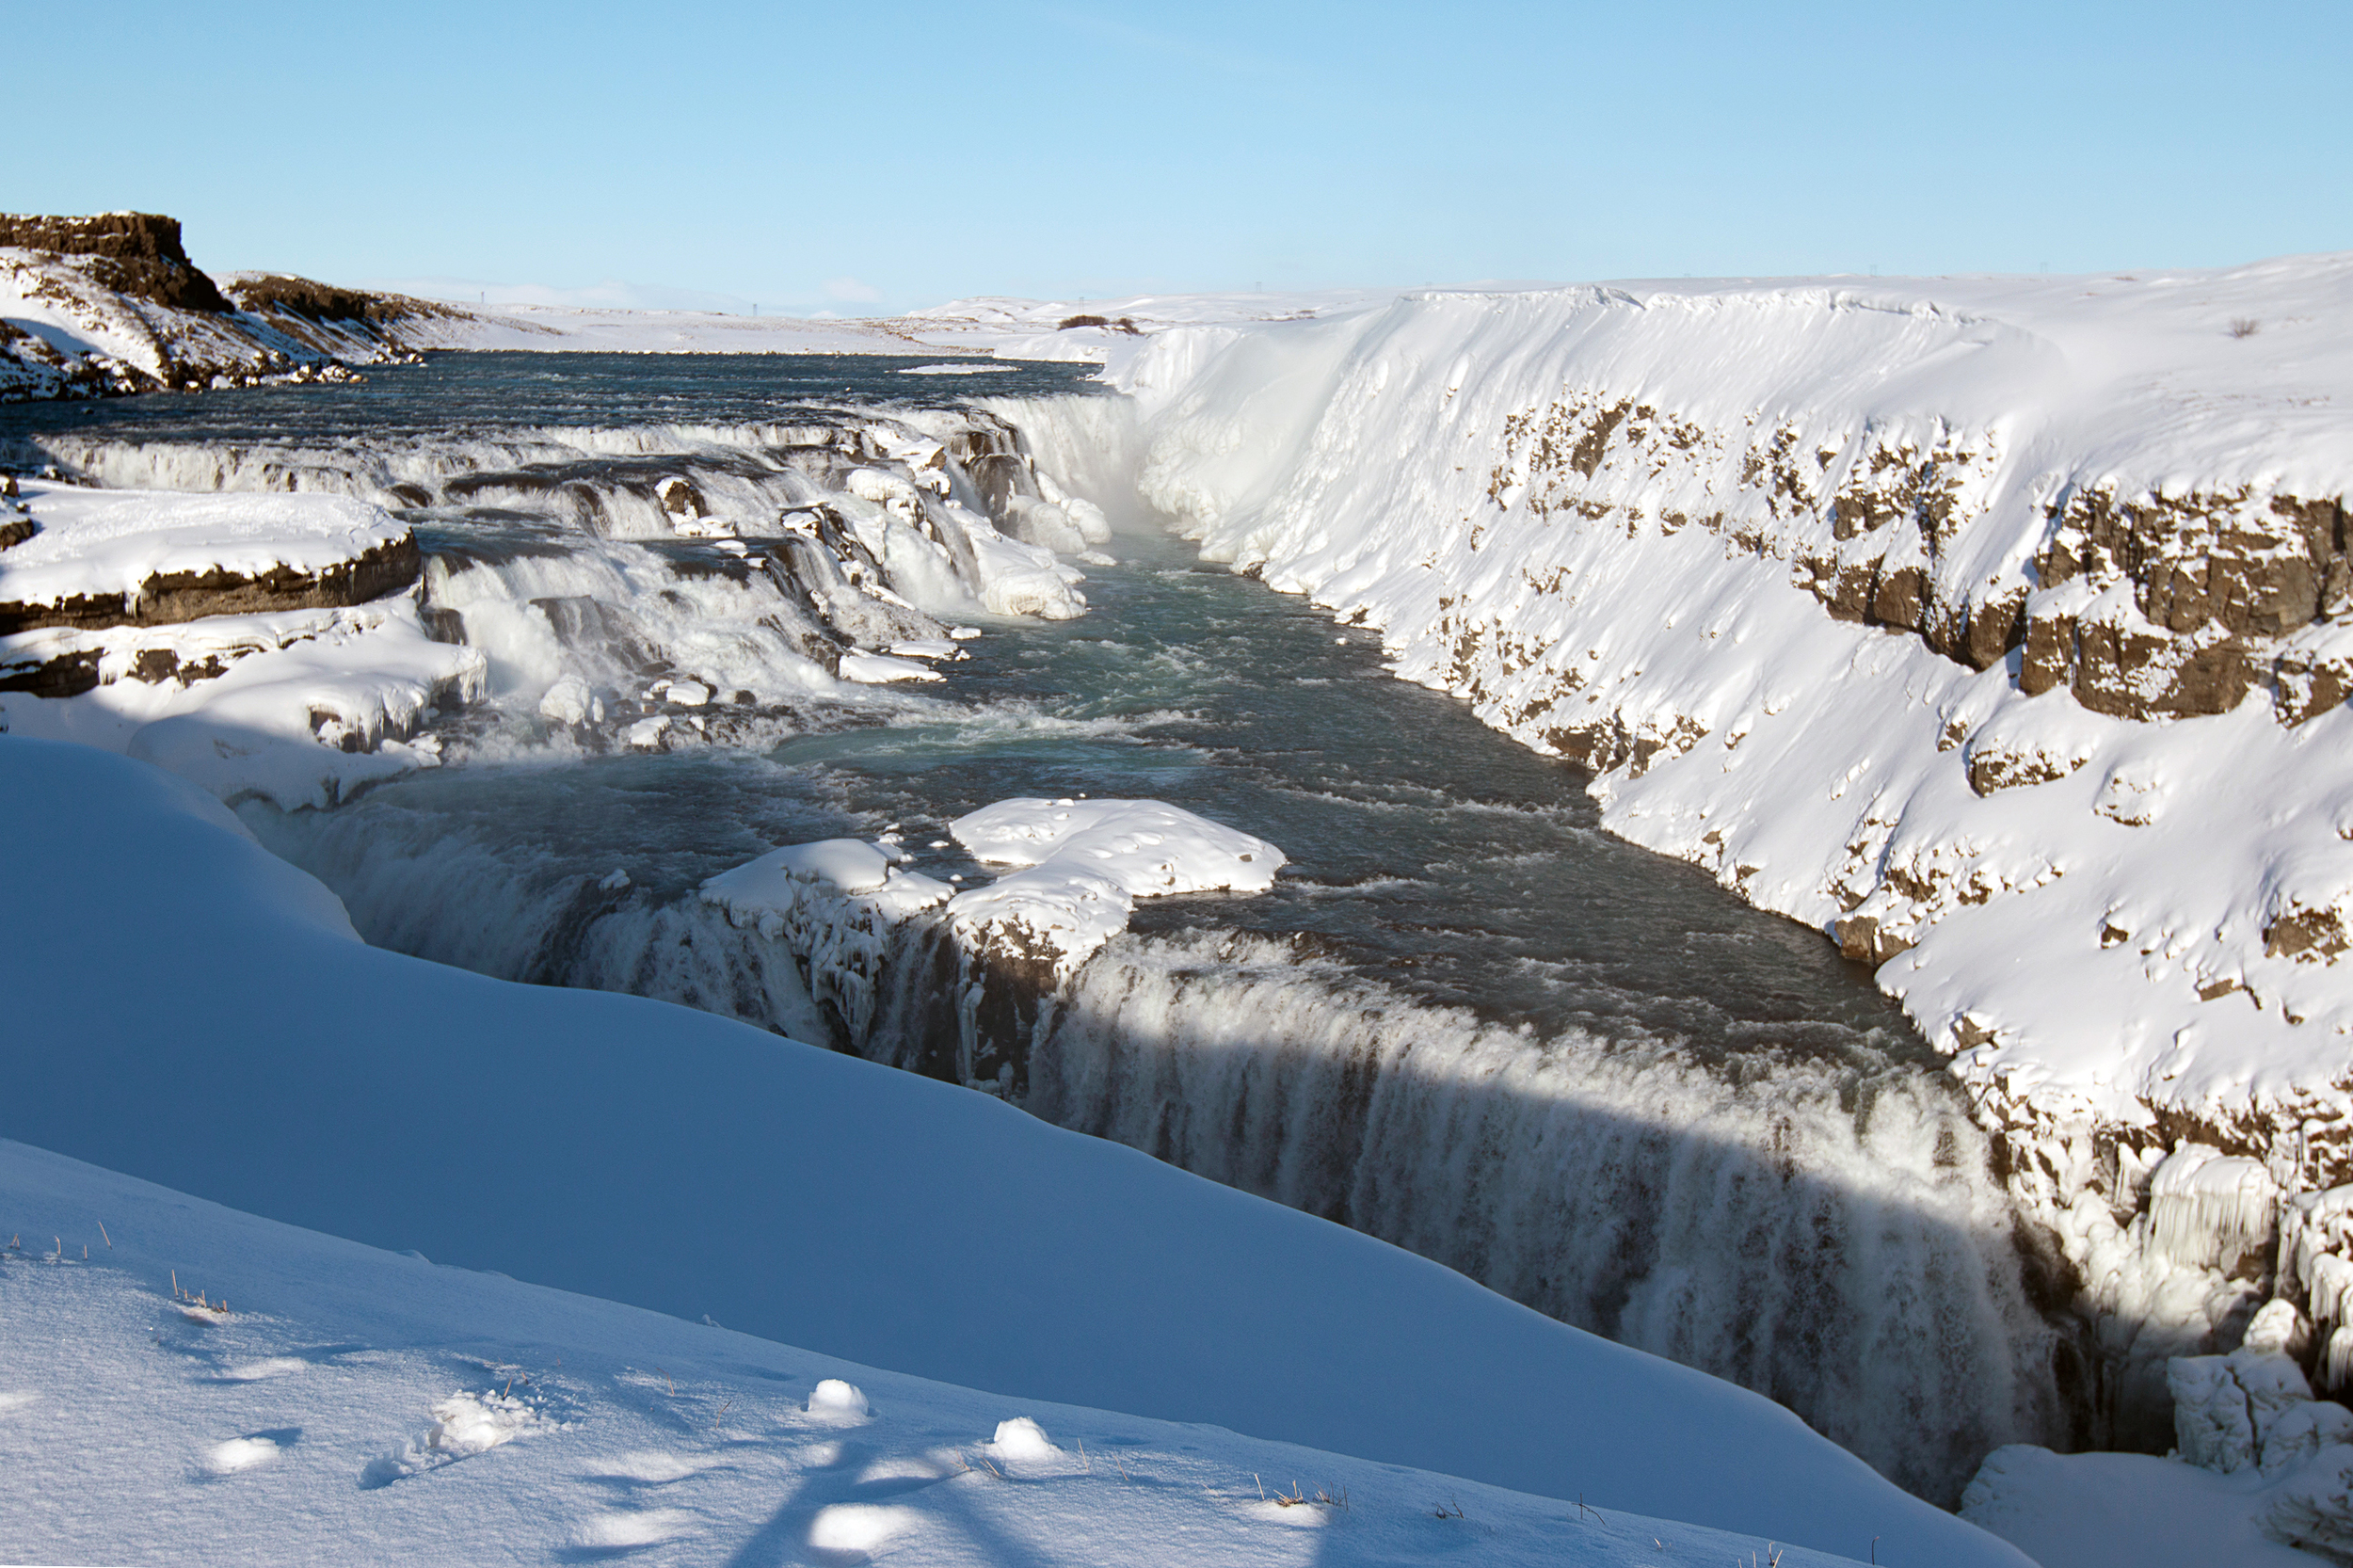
[1830,1236]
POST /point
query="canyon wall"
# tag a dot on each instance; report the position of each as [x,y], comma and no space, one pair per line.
[1997,629]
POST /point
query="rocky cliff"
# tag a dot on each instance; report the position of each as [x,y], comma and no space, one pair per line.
[95,307]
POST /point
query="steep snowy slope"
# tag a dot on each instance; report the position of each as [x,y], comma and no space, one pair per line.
[187,1009]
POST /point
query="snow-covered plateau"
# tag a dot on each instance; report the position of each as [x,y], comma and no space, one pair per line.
[110,304]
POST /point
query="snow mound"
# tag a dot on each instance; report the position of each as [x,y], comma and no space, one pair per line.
[1088,861]
[836,1400]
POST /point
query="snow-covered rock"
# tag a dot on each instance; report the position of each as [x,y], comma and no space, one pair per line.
[258,644]
[110,304]
[100,558]
[1085,862]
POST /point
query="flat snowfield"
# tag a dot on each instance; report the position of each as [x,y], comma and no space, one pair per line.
[188,1010]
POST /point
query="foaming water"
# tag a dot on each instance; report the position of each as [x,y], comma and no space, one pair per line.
[1466,1020]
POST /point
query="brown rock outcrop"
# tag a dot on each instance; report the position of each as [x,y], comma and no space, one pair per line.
[139,254]
[169,598]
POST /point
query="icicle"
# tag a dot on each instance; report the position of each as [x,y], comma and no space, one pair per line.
[2208,1209]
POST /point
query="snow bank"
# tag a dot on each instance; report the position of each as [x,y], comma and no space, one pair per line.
[1087,862]
[266,1059]
[2124,1510]
[322,1417]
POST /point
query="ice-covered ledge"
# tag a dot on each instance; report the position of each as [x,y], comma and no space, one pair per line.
[93,559]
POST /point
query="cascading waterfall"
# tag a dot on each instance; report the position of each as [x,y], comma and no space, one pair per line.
[1824,1231]
[1826,1234]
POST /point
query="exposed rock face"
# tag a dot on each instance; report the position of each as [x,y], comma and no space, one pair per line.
[166,599]
[351,324]
[2146,606]
[109,305]
[139,254]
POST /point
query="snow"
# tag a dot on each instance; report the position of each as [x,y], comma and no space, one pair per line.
[93,542]
[373,1407]
[2124,1510]
[2087,935]
[266,1059]
[1086,862]
[292,688]
[876,670]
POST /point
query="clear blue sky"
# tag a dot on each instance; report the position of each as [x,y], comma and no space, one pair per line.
[864,157]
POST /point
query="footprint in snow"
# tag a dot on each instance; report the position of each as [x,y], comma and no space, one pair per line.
[269,1366]
[610,1535]
[848,1534]
[649,1468]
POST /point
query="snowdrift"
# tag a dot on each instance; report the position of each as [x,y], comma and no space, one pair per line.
[186,1009]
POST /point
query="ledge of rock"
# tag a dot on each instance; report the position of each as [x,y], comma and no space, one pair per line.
[105,558]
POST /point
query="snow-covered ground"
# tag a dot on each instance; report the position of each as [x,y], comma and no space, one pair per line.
[1001,329]
[205,1019]
[374,1407]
